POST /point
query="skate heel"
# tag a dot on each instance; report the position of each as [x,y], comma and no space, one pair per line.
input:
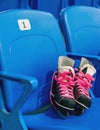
[79,109]
[62,112]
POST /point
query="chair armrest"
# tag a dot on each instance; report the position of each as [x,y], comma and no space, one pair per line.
[27,82]
[19,78]
[95,59]
[84,55]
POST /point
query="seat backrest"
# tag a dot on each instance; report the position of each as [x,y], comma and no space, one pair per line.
[51,6]
[30,42]
[14,4]
[84,2]
[81,29]
[97,3]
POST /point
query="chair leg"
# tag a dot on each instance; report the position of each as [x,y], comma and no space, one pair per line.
[11,121]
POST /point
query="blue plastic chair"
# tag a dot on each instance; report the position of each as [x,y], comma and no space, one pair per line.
[51,6]
[97,3]
[13,120]
[85,2]
[14,4]
[55,6]
[81,29]
[80,2]
[31,42]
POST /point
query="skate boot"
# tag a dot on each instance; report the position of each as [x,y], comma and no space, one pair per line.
[83,83]
[62,87]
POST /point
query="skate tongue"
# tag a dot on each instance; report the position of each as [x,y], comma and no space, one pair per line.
[65,69]
[64,61]
[65,64]
[88,69]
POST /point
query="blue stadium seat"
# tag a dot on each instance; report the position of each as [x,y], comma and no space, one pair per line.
[30,44]
[81,29]
[14,120]
[85,2]
[50,120]
[55,6]
[27,39]
[51,6]
[14,4]
[80,2]
[97,3]
[65,3]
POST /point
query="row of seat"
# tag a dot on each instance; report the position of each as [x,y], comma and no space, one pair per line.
[52,6]
[55,6]
[30,43]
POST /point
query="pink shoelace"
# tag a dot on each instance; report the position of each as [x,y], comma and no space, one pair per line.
[66,84]
[83,83]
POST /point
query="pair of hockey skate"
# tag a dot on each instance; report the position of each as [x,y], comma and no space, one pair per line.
[70,87]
